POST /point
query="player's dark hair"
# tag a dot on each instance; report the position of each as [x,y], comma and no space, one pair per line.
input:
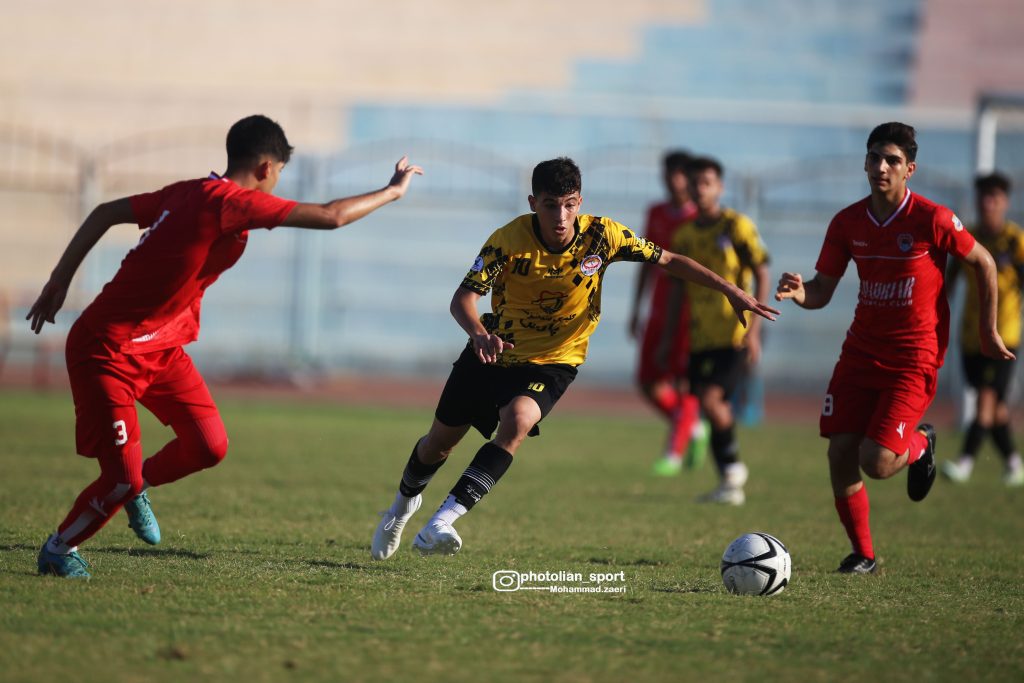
[992,182]
[896,133]
[256,136]
[701,164]
[676,160]
[556,177]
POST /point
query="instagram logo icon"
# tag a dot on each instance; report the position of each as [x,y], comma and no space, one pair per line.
[505,580]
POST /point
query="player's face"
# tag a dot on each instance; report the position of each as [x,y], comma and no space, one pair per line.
[888,169]
[557,216]
[706,189]
[992,208]
[675,183]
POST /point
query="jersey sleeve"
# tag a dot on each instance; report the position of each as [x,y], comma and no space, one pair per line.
[748,244]
[835,252]
[146,207]
[251,209]
[488,265]
[950,235]
[626,245]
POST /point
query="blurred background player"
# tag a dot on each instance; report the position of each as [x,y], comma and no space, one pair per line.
[544,271]
[127,345]
[988,377]
[665,385]
[728,243]
[888,368]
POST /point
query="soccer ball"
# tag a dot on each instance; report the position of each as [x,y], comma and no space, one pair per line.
[755,564]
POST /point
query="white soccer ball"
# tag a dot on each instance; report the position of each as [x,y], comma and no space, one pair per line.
[756,564]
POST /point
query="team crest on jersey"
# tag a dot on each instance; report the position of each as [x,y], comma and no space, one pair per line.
[478,265]
[591,264]
[905,241]
[550,302]
[957,225]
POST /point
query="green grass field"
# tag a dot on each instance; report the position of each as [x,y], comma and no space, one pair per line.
[264,572]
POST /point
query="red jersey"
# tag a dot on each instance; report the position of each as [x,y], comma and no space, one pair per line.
[195,230]
[662,222]
[902,317]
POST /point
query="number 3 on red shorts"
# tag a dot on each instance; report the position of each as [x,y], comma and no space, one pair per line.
[120,433]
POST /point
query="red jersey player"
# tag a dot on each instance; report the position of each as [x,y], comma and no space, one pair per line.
[664,384]
[886,375]
[127,344]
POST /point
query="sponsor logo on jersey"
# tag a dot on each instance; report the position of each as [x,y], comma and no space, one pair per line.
[859,243]
[550,302]
[591,264]
[478,265]
[898,293]
[957,225]
[146,337]
[554,271]
[905,241]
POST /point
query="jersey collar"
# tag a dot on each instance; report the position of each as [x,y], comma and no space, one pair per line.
[897,212]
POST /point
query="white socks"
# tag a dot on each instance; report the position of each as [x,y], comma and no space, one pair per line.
[450,510]
[57,546]
[403,506]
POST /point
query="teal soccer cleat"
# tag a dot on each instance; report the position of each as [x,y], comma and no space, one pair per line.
[142,520]
[70,566]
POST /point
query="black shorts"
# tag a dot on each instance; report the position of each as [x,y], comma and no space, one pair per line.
[475,392]
[983,372]
[718,367]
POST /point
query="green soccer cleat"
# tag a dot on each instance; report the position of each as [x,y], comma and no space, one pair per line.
[141,519]
[667,466]
[70,566]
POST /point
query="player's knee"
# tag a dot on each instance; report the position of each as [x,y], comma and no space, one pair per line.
[212,452]
[875,461]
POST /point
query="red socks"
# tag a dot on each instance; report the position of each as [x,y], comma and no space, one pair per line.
[684,420]
[853,513]
[200,444]
[918,444]
[666,400]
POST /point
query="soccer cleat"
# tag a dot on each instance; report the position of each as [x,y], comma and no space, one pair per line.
[1013,476]
[921,475]
[389,532]
[725,495]
[142,520]
[437,538]
[668,466]
[855,563]
[70,566]
[697,452]
[955,471]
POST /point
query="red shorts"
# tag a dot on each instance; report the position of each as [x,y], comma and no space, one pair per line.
[648,370]
[882,403]
[106,383]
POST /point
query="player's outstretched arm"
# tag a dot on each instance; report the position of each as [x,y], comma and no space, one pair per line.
[487,346]
[102,218]
[334,214]
[815,293]
[686,268]
[985,275]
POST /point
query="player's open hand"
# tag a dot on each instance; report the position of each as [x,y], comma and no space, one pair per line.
[489,346]
[992,346]
[46,306]
[791,286]
[741,301]
[404,171]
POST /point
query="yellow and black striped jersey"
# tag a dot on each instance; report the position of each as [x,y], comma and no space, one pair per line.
[547,304]
[732,248]
[1007,249]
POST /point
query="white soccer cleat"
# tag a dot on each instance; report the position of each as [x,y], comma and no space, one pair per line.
[437,538]
[1013,476]
[388,536]
[725,495]
[957,471]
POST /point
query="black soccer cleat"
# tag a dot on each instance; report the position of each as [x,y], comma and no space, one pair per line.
[921,475]
[857,564]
